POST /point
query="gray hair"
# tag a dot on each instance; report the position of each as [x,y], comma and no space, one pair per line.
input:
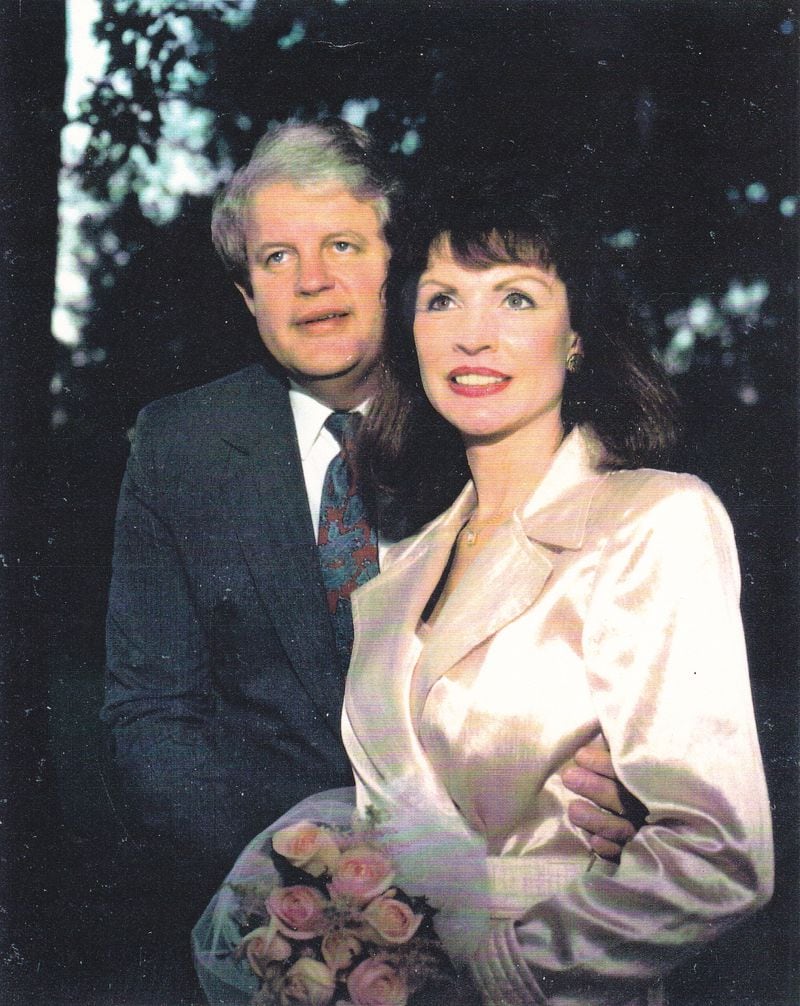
[310,153]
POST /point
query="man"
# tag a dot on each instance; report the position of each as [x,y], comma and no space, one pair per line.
[224,683]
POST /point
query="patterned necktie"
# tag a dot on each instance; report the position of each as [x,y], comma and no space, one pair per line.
[348,547]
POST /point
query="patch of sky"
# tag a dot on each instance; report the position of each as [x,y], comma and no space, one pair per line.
[788,206]
[410,142]
[238,13]
[182,28]
[702,316]
[627,238]
[355,111]
[741,300]
[677,356]
[295,35]
[748,395]
[786,27]
[756,192]
[143,48]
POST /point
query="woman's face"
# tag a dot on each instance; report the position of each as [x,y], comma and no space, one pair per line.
[493,344]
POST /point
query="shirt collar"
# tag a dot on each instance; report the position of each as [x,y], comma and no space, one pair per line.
[309,416]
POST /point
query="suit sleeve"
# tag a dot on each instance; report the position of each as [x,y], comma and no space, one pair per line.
[170,772]
[666,662]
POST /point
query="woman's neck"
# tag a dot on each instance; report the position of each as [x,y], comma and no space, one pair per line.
[506,472]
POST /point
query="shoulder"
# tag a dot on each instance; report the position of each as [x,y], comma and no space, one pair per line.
[225,396]
[676,512]
[200,426]
[237,409]
[651,491]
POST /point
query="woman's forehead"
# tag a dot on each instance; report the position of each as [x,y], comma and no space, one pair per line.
[483,249]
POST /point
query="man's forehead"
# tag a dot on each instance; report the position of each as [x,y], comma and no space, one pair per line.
[315,202]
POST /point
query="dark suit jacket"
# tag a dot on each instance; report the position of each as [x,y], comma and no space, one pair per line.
[223,696]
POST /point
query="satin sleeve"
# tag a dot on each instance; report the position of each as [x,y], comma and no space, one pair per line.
[667,668]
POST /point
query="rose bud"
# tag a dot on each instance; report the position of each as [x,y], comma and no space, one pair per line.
[363,873]
[307,983]
[307,846]
[263,946]
[392,920]
[375,982]
[339,948]
[298,911]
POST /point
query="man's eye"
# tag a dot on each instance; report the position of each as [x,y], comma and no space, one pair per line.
[519,301]
[343,246]
[440,302]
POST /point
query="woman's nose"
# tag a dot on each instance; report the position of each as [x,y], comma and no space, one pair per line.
[476,333]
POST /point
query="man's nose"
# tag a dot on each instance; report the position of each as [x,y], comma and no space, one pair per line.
[313,274]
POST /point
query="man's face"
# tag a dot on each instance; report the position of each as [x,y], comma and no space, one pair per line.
[317,261]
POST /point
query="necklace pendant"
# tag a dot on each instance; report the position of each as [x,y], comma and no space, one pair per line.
[469,536]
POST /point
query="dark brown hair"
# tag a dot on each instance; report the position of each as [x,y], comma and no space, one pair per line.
[412,462]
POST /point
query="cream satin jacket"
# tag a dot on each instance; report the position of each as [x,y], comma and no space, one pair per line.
[609,604]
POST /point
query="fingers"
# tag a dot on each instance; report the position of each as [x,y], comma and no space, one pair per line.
[596,758]
[608,833]
[600,823]
[591,785]
[605,849]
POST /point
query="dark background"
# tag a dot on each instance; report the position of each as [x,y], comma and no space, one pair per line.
[667,107]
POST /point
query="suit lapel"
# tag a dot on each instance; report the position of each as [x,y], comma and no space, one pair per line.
[505,580]
[267,505]
[386,614]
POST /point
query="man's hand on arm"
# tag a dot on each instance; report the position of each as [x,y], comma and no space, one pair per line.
[607,811]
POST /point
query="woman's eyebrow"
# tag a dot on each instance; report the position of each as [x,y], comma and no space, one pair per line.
[432,281]
[541,280]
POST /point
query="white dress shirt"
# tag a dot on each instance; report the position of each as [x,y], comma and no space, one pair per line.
[318,447]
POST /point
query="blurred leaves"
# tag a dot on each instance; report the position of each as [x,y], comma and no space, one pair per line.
[682,124]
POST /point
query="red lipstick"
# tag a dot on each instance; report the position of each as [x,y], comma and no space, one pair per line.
[477,382]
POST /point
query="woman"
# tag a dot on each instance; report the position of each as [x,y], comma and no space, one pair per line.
[566,592]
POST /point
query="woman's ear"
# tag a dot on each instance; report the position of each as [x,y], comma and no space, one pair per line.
[575,345]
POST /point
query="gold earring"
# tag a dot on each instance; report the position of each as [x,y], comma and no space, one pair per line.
[574,363]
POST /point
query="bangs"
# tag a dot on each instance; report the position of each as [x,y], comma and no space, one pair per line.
[483,249]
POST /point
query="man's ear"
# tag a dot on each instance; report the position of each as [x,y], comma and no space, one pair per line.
[248,298]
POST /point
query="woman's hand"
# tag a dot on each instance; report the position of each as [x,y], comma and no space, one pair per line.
[613,816]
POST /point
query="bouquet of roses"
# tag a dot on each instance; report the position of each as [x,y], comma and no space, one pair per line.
[332,928]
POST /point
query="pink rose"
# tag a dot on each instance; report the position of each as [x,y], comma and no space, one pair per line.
[392,920]
[298,911]
[263,946]
[307,846]
[307,983]
[363,873]
[339,948]
[376,982]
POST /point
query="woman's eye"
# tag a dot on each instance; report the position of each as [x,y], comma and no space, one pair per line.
[519,301]
[276,257]
[440,302]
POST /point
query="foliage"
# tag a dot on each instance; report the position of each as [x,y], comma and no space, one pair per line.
[676,118]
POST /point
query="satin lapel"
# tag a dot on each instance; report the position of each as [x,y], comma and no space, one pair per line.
[268,507]
[505,580]
[387,613]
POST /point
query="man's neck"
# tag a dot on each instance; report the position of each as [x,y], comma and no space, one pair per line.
[340,394]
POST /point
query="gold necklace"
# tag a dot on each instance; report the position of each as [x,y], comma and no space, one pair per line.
[469,535]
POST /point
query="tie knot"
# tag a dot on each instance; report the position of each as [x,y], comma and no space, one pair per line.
[344,426]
